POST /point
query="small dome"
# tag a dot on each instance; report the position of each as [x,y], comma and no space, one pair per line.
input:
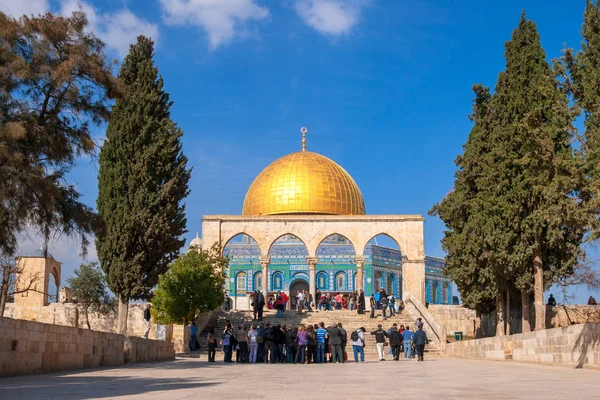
[196,242]
[303,183]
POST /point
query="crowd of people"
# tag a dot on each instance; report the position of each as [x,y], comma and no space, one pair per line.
[312,344]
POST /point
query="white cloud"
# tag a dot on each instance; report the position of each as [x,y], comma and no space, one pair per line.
[17,8]
[117,30]
[330,17]
[221,19]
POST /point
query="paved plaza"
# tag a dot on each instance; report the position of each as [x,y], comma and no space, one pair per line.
[194,379]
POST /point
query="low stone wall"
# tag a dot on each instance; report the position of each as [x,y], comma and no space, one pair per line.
[455,318]
[33,347]
[574,346]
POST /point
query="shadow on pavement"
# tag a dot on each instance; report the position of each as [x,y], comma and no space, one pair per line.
[85,386]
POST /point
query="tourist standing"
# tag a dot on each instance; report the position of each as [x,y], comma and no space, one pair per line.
[358,344]
[361,302]
[290,343]
[373,305]
[311,344]
[377,299]
[211,340]
[280,340]
[380,336]
[242,339]
[351,302]
[408,339]
[339,301]
[279,305]
[284,299]
[392,304]
[420,342]
[270,345]
[260,339]
[299,301]
[321,336]
[395,342]
[261,305]
[194,345]
[302,338]
[147,317]
[335,341]
[344,337]
[253,343]
[227,343]
[384,305]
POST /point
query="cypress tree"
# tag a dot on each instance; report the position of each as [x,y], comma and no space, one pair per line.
[581,72]
[467,259]
[537,225]
[142,181]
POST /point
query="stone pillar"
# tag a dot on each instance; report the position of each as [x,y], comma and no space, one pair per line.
[359,260]
[264,262]
[413,278]
[312,265]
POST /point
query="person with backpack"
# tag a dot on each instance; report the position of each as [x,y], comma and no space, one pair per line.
[358,344]
[392,304]
[270,345]
[252,334]
[380,336]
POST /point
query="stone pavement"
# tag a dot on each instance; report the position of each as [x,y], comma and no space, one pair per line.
[195,379]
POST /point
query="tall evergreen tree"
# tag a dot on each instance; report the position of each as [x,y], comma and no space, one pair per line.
[581,72]
[537,224]
[467,259]
[142,181]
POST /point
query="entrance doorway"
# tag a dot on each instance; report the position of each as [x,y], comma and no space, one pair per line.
[295,286]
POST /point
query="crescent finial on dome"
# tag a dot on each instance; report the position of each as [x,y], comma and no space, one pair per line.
[303,130]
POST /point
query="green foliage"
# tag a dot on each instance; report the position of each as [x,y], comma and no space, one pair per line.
[192,285]
[54,83]
[143,180]
[89,287]
[515,190]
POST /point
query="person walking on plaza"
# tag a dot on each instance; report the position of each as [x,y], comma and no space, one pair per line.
[408,339]
[380,336]
[252,334]
[211,340]
[420,342]
[384,305]
[335,340]
[358,344]
[321,334]
[395,342]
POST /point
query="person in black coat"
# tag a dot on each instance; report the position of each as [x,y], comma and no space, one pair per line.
[361,302]
[395,342]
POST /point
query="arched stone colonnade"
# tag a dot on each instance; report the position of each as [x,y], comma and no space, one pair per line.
[406,230]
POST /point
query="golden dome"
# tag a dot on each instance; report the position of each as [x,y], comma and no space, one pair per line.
[303,183]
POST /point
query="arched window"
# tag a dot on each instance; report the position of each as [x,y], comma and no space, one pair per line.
[240,286]
[355,281]
[378,280]
[340,281]
[52,288]
[258,281]
[435,293]
[322,281]
[389,288]
[277,281]
[445,293]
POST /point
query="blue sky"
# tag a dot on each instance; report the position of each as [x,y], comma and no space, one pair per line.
[383,86]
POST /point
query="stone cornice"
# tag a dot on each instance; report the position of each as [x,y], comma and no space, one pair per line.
[336,218]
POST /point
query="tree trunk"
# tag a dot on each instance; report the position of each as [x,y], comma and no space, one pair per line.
[4,289]
[500,314]
[538,290]
[525,325]
[508,312]
[122,318]
[87,319]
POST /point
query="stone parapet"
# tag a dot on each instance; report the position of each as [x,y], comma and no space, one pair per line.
[573,346]
[34,347]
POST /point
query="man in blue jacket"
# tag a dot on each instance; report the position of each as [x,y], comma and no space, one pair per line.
[408,339]
[420,342]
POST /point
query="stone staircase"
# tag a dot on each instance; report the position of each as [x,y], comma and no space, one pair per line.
[350,320]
